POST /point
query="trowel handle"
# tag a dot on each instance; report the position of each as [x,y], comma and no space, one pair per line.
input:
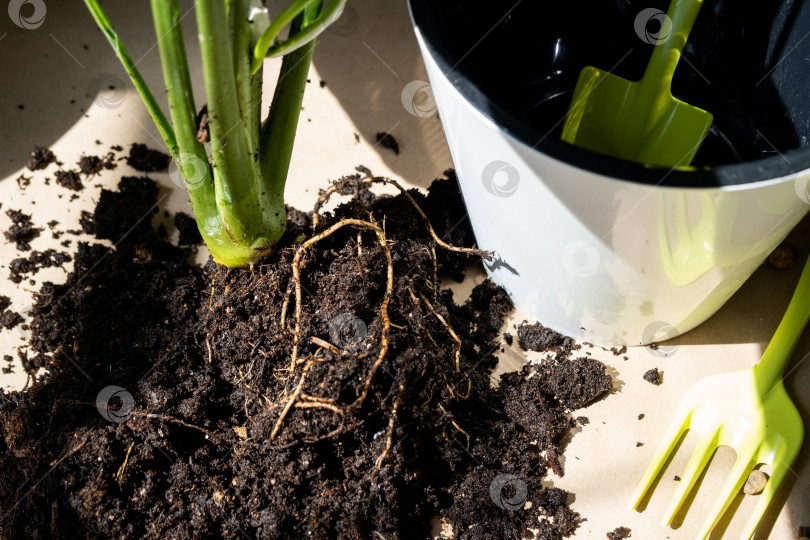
[672,38]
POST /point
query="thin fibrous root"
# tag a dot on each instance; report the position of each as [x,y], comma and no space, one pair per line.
[325,344]
[293,397]
[389,439]
[382,180]
[168,418]
[456,339]
[123,467]
[318,405]
[389,287]
[316,399]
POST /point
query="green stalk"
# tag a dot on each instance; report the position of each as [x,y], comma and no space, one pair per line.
[278,130]
[152,106]
[191,159]
[235,177]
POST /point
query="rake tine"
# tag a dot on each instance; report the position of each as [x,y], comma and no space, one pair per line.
[736,478]
[679,424]
[700,456]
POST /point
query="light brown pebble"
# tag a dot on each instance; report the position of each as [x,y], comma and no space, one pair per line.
[783,257]
[755,483]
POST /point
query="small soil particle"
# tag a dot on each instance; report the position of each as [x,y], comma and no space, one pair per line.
[69,180]
[23,182]
[538,338]
[86,222]
[619,533]
[5,301]
[92,165]
[583,420]
[639,444]
[509,338]
[755,483]
[783,257]
[641,416]
[618,352]
[653,376]
[186,225]
[26,266]
[203,125]
[388,141]
[9,319]
[677,478]
[40,158]
[145,159]
[22,230]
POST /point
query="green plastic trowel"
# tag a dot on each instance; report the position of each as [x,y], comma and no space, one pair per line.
[641,121]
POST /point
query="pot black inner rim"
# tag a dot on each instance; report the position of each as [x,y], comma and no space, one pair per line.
[517,63]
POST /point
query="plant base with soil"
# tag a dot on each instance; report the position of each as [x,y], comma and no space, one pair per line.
[335,390]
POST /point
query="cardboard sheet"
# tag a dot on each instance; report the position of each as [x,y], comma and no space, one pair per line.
[64,89]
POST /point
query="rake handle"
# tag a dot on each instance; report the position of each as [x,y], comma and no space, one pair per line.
[771,367]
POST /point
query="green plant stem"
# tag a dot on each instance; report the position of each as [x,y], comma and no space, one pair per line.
[236,183]
[312,30]
[276,26]
[278,130]
[163,126]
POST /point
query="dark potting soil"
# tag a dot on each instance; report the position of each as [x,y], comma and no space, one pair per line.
[22,230]
[92,165]
[536,337]
[145,159]
[388,141]
[40,158]
[619,533]
[187,228]
[653,376]
[178,402]
[69,180]
[23,267]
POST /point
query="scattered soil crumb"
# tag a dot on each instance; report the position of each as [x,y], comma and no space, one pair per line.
[583,420]
[388,141]
[23,182]
[5,301]
[25,266]
[145,159]
[9,319]
[509,338]
[203,125]
[92,165]
[86,222]
[677,478]
[69,179]
[22,230]
[619,533]
[356,138]
[536,337]
[784,256]
[40,158]
[617,351]
[641,416]
[639,444]
[653,376]
[186,225]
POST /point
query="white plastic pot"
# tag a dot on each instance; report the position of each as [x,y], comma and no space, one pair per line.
[596,248]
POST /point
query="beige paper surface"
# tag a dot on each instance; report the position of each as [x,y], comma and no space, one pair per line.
[56,92]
